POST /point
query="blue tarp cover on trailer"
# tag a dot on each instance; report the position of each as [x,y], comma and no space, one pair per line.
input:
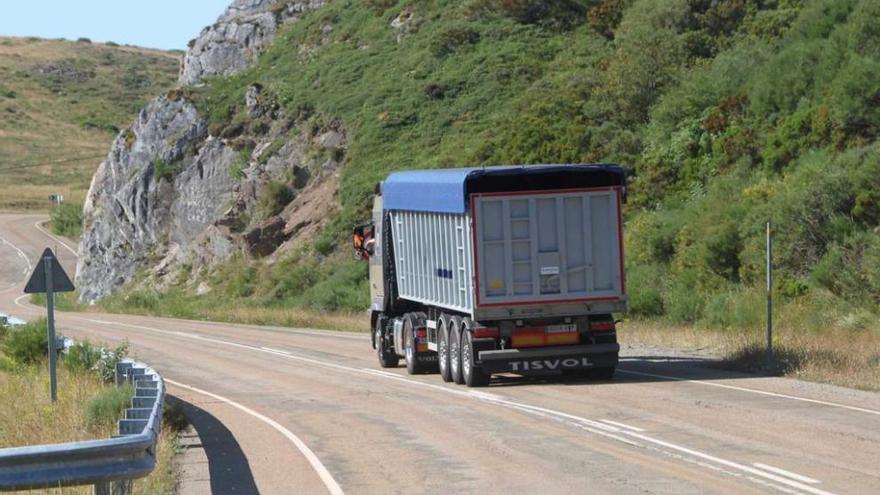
[446,190]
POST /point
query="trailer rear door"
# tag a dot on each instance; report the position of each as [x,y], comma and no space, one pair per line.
[548,246]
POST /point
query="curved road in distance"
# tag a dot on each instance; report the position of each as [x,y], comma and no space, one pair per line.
[312,412]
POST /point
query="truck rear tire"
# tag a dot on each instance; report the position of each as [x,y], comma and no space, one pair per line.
[455,350]
[443,360]
[387,357]
[473,375]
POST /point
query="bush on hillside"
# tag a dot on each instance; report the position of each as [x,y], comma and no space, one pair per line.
[645,289]
[85,357]
[557,13]
[274,198]
[67,220]
[26,344]
[345,288]
[106,409]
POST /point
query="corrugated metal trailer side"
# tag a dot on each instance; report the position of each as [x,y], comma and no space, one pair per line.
[434,258]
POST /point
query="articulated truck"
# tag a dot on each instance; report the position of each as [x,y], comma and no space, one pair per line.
[511,269]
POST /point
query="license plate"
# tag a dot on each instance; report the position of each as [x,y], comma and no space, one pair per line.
[572,328]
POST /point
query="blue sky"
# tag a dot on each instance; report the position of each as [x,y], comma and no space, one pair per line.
[163,24]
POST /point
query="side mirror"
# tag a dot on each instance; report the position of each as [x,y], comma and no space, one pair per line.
[362,240]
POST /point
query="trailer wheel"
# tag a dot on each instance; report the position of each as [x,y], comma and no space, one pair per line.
[387,357]
[414,366]
[443,359]
[455,350]
[473,375]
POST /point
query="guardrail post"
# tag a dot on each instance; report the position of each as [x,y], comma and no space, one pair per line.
[122,369]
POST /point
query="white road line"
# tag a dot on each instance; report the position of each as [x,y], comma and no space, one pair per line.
[331,484]
[621,425]
[54,238]
[275,350]
[752,390]
[18,301]
[595,427]
[21,255]
[788,474]
[730,464]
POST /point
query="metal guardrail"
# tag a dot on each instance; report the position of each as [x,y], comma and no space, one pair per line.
[108,464]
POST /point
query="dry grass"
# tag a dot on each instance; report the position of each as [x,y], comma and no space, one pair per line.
[836,355]
[28,418]
[35,198]
[63,101]
[299,318]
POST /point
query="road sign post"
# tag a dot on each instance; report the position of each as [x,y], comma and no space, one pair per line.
[770,358]
[50,309]
[49,278]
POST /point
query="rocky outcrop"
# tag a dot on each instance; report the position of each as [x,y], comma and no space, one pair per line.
[159,184]
[238,36]
[171,200]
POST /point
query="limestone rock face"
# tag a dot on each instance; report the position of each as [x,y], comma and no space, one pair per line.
[232,43]
[147,180]
[171,200]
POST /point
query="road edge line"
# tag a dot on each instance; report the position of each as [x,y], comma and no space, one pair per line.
[56,239]
[327,478]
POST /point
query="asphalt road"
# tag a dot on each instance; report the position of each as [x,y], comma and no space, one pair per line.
[307,411]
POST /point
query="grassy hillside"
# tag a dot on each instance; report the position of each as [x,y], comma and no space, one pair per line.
[727,114]
[62,103]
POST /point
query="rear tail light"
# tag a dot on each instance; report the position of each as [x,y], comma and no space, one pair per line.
[548,335]
[601,326]
[486,333]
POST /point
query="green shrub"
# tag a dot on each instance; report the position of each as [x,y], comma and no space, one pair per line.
[27,344]
[855,93]
[274,198]
[737,308]
[66,220]
[174,417]
[85,357]
[106,409]
[82,357]
[164,170]
[563,13]
[344,289]
[684,300]
[452,38]
[293,276]
[143,299]
[645,285]
[851,269]
[380,6]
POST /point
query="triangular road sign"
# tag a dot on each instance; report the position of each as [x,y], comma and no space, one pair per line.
[60,281]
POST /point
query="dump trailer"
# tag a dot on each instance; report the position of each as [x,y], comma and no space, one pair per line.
[513,269]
